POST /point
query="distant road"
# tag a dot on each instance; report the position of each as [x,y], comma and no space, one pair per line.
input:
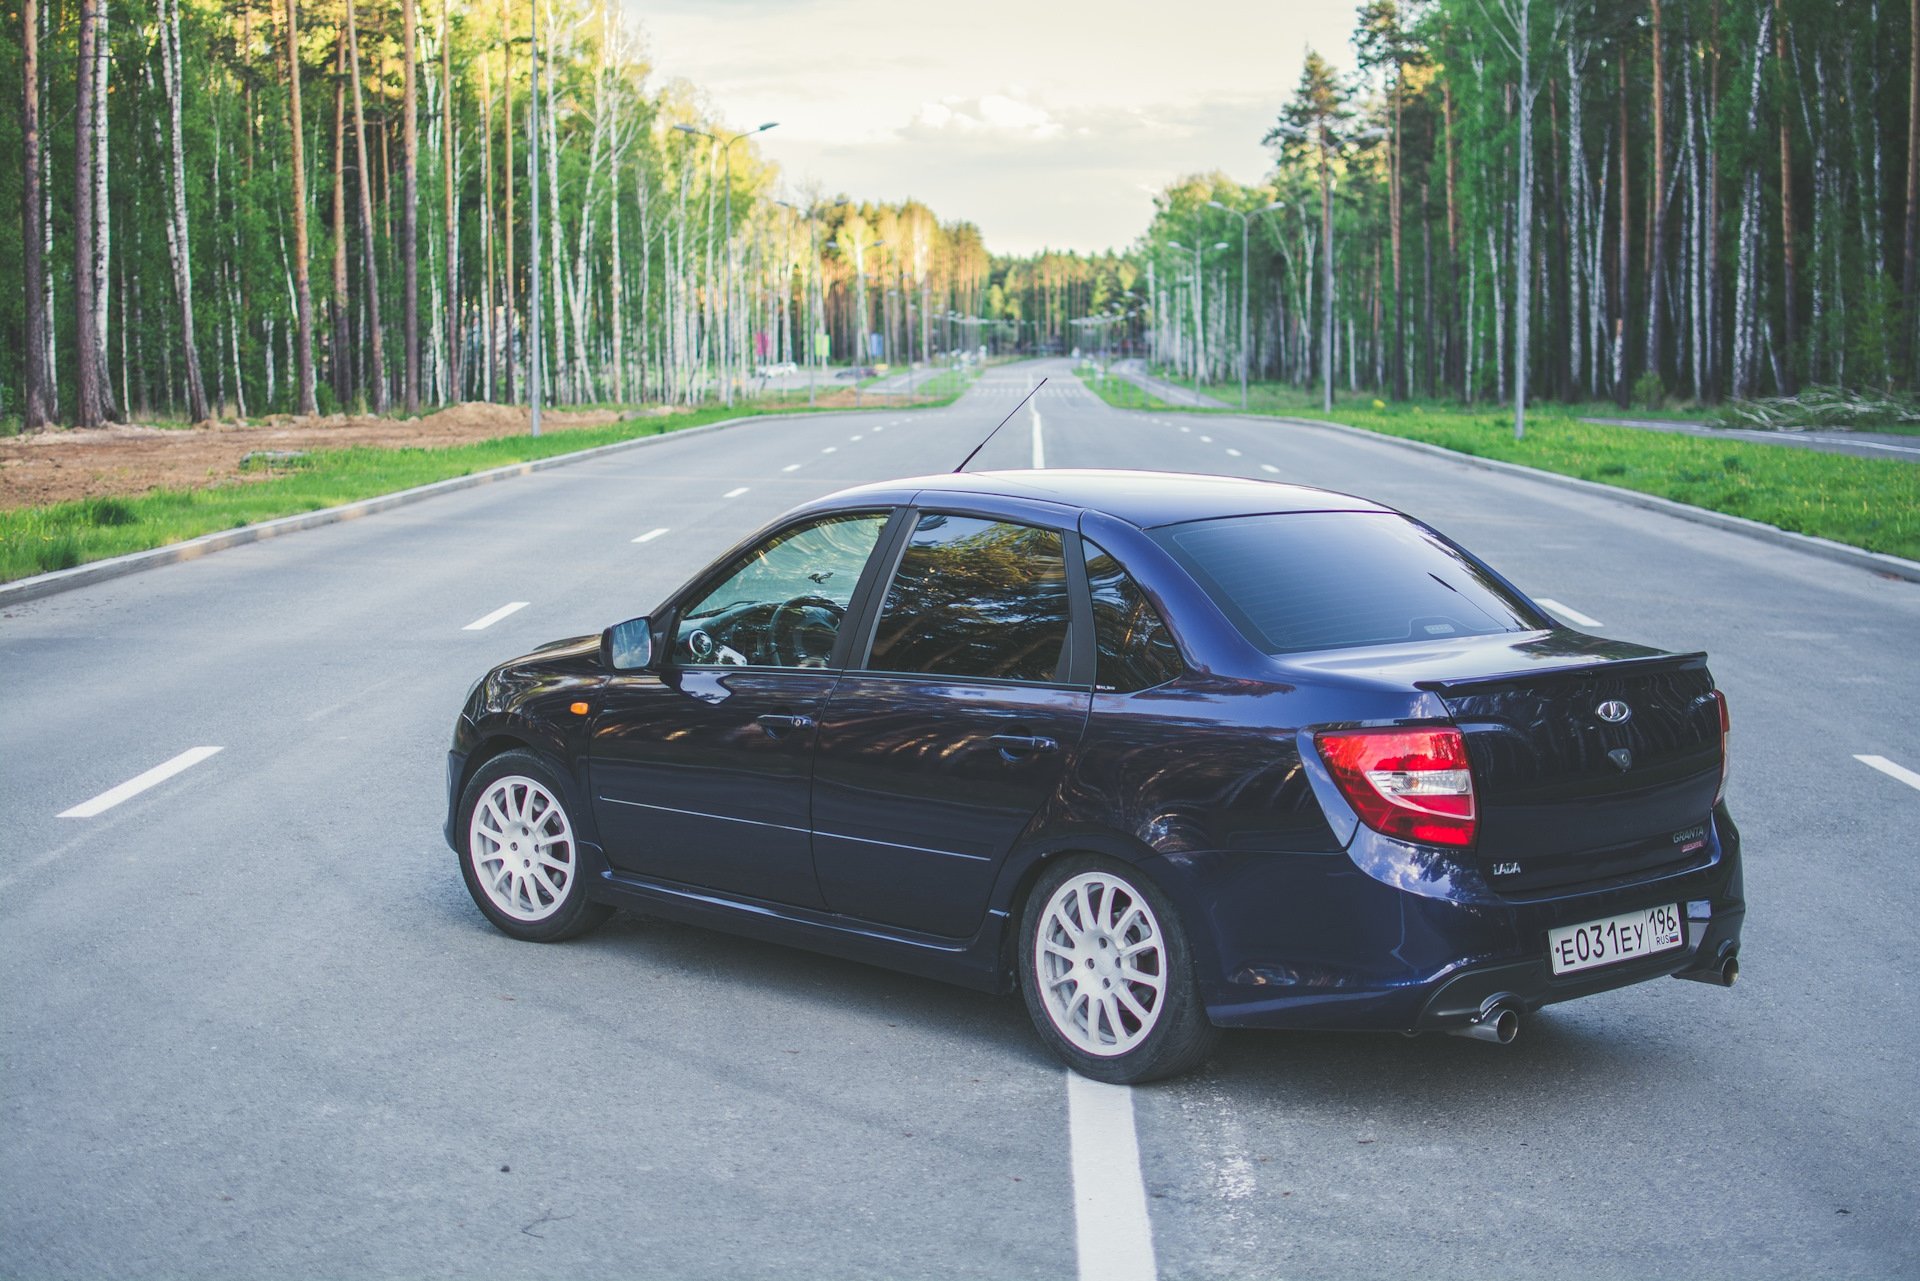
[252,1026]
[1861,444]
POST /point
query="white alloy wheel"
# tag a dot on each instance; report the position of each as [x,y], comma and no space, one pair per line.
[520,845]
[1101,962]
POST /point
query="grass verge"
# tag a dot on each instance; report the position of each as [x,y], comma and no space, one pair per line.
[1871,503]
[36,540]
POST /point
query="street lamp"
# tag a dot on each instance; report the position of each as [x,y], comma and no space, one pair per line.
[1246,221]
[726,147]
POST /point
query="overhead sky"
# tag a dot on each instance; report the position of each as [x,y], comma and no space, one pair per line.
[1048,123]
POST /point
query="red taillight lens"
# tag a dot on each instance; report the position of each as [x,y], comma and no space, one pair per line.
[1726,723]
[1414,784]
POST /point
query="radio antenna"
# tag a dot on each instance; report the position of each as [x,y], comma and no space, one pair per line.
[1002,423]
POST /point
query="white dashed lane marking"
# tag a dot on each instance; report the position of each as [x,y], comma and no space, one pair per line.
[1568,612]
[650,535]
[1269,467]
[1233,453]
[134,786]
[735,493]
[831,449]
[1891,770]
[791,467]
[481,624]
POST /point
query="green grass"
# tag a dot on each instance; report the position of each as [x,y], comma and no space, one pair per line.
[35,540]
[1872,503]
[1121,394]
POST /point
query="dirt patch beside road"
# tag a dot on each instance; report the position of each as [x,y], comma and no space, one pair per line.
[122,461]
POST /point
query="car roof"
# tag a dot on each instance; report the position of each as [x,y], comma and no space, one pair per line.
[1146,499]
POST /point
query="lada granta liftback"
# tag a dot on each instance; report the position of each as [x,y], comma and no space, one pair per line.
[1165,753]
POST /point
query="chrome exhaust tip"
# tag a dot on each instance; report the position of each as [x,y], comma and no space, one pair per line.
[1726,974]
[1498,1023]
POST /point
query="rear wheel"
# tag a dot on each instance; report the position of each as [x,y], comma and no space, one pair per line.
[1107,975]
[519,857]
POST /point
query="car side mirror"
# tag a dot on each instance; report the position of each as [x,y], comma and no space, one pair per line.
[628,646]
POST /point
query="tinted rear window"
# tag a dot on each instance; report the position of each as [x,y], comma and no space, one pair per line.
[1329,580]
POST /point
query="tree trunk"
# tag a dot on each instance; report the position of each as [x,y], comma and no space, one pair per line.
[34,375]
[456,388]
[377,335]
[171,69]
[1910,270]
[102,222]
[1789,268]
[1657,220]
[340,342]
[410,199]
[506,129]
[87,409]
[302,282]
[1621,260]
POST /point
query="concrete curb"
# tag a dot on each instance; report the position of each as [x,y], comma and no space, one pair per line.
[61,580]
[1826,548]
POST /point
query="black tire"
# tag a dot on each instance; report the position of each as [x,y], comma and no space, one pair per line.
[514,810]
[1113,926]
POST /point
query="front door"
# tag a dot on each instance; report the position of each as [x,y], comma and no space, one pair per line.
[700,774]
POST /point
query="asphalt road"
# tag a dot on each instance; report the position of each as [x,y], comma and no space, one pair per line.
[251,1025]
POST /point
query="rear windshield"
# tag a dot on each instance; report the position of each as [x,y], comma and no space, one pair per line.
[1330,580]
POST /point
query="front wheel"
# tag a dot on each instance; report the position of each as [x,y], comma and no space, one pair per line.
[1107,975]
[520,860]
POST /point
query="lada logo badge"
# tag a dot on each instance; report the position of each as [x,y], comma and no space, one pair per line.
[1614,712]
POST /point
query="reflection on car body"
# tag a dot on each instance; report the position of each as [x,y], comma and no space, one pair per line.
[1164,753]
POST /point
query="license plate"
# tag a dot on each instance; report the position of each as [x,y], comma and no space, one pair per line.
[1618,938]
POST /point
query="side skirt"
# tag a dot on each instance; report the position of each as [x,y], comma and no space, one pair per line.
[972,962]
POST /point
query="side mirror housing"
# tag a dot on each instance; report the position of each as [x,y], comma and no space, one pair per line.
[628,646]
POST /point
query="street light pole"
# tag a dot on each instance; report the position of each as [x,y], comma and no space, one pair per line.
[813,279]
[1246,221]
[726,337]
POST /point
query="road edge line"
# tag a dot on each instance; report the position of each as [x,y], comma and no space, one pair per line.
[21,590]
[1827,548]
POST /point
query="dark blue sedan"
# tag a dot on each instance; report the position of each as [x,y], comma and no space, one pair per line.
[1167,753]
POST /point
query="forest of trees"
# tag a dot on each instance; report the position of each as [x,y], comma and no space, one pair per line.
[1718,201]
[231,207]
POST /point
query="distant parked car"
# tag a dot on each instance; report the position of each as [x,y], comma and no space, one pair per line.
[856,371]
[778,369]
[1164,753]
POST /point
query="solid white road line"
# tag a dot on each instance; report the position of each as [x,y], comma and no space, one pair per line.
[735,493]
[1568,612]
[1039,443]
[134,786]
[1891,770]
[1112,1234]
[481,624]
[650,535]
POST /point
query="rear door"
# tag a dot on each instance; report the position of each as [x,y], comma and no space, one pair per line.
[931,761]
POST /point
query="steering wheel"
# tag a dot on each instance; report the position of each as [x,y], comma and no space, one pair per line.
[802,631]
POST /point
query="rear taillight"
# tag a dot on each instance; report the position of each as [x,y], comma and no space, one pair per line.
[1409,783]
[1726,723]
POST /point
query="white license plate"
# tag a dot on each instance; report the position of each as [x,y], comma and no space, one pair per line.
[1618,938]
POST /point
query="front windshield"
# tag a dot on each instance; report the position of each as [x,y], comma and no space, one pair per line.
[1331,580]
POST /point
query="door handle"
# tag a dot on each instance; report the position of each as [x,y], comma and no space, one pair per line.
[779,723]
[1022,744]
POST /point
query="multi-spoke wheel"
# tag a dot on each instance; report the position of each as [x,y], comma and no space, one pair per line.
[521,862]
[1107,976]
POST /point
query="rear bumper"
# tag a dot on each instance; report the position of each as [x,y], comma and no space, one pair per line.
[1311,943]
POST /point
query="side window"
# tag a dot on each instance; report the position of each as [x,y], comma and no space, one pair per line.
[976,597]
[781,605]
[1136,650]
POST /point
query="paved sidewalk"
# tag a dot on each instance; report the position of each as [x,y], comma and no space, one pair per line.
[1173,393]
